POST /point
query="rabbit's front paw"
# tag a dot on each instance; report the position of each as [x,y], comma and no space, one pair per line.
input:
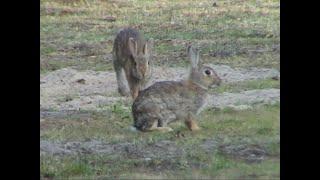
[192,125]
[124,92]
[195,128]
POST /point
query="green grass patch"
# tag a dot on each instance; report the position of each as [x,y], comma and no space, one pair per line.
[248,85]
[231,31]
[260,126]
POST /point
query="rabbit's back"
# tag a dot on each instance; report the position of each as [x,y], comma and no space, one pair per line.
[120,46]
[167,101]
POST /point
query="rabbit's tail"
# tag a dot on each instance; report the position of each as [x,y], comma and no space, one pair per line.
[133,129]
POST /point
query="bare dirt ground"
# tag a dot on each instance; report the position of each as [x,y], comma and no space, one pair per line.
[69,89]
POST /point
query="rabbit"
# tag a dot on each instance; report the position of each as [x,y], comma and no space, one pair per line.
[131,54]
[168,101]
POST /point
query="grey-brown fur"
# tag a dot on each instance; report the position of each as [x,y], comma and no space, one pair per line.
[168,101]
[131,59]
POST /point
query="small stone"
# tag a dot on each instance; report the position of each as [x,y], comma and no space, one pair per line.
[275,78]
[179,134]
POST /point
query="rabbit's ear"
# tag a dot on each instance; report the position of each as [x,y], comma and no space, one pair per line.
[148,46]
[194,56]
[132,44]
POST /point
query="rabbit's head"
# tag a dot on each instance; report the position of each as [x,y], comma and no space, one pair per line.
[201,75]
[140,56]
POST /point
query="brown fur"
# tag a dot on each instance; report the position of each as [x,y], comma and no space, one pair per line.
[168,101]
[131,57]
[191,124]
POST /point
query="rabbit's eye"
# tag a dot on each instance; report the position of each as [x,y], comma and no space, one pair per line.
[208,72]
[134,63]
[148,63]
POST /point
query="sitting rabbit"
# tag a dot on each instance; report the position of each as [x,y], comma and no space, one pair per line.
[131,53]
[167,101]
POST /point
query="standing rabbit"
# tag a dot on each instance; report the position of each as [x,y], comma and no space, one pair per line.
[168,101]
[131,54]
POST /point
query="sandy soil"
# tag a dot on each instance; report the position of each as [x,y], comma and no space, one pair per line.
[69,89]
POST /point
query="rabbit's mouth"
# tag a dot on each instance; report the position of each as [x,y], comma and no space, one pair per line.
[215,85]
[139,76]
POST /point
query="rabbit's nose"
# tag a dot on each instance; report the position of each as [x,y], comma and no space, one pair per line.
[218,82]
[143,70]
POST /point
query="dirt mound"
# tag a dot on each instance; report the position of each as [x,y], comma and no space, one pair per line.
[249,153]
